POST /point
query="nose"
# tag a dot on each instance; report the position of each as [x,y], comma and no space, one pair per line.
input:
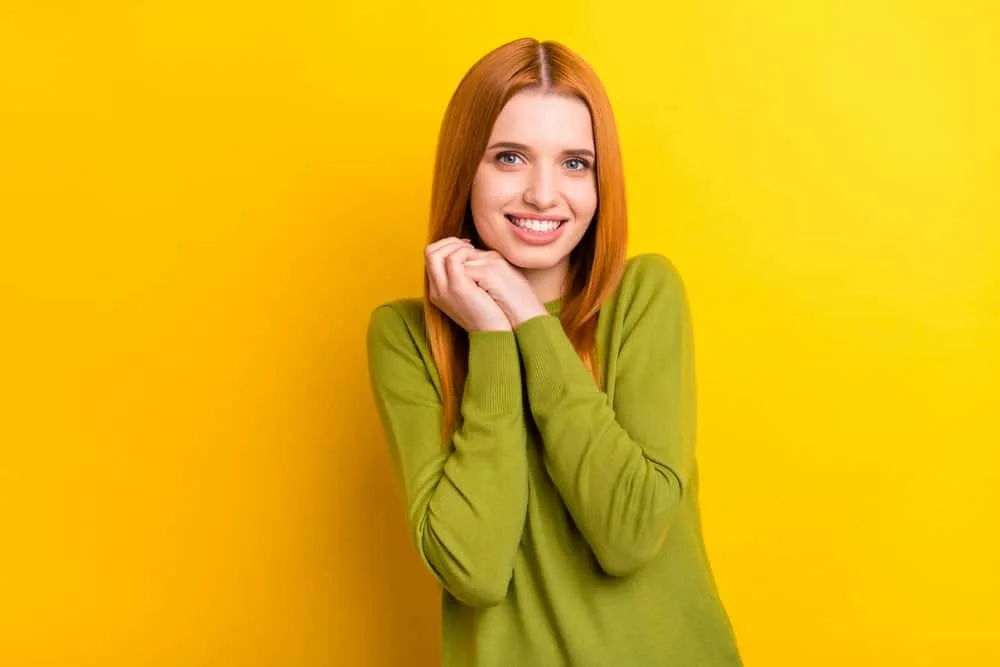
[540,191]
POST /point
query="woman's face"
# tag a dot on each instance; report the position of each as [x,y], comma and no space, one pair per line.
[535,191]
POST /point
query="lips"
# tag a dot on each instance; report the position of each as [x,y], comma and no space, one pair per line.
[546,235]
[531,216]
[545,220]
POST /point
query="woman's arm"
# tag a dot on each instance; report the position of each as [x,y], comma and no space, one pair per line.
[467,502]
[621,470]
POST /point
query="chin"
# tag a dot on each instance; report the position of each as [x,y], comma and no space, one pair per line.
[533,259]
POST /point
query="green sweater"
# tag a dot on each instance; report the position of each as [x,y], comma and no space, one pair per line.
[562,522]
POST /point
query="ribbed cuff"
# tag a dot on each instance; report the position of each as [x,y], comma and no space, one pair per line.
[548,355]
[494,378]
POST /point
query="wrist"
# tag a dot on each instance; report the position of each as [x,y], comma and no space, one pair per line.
[491,326]
[522,315]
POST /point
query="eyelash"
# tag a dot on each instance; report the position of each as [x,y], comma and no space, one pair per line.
[500,156]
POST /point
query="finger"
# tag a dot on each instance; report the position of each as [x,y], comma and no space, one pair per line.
[443,245]
[441,251]
[435,261]
[483,258]
[480,256]
[455,266]
[442,242]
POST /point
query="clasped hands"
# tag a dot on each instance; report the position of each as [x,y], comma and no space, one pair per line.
[478,289]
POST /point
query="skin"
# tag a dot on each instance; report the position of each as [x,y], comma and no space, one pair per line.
[455,292]
[539,163]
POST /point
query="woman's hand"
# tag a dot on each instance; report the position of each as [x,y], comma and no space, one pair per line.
[506,285]
[455,293]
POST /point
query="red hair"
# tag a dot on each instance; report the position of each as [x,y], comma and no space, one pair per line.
[597,261]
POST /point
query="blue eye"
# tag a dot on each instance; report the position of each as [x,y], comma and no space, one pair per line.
[508,159]
[581,164]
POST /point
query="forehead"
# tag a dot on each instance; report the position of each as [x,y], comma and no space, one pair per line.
[545,121]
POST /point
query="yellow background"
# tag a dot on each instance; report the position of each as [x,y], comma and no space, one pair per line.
[202,202]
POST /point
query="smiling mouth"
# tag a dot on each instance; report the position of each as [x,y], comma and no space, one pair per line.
[535,224]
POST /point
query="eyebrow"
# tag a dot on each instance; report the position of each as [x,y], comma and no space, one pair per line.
[521,147]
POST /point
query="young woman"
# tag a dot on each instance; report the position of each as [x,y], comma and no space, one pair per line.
[539,402]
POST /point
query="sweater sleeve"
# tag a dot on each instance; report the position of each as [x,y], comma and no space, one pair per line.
[466,501]
[621,470]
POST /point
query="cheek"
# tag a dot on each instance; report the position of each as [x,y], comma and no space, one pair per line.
[583,198]
[477,194]
[492,191]
[485,199]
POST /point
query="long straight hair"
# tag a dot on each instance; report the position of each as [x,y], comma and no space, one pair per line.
[596,263]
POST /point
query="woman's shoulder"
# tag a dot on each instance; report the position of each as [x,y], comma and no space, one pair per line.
[398,343]
[649,304]
[398,317]
[647,277]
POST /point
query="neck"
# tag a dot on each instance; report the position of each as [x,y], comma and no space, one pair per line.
[547,284]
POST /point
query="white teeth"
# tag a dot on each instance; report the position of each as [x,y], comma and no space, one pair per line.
[536,225]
